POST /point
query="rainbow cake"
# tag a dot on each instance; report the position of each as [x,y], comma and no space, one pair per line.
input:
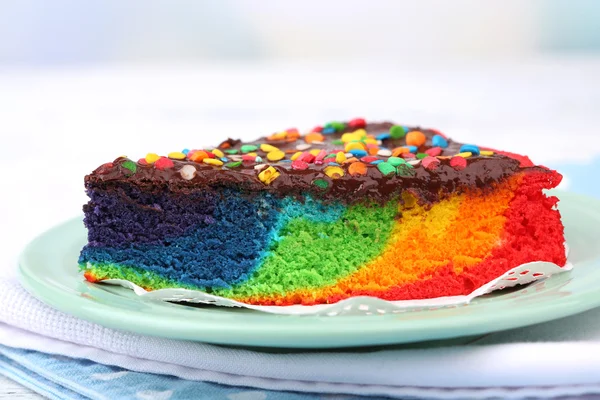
[348,209]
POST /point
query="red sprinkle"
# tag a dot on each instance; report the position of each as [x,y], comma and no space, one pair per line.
[248,158]
[299,165]
[163,163]
[357,123]
[142,161]
[317,129]
[368,159]
[329,159]
[105,168]
[434,151]
[458,163]
[210,155]
[306,157]
[293,131]
[320,157]
[430,163]
[407,155]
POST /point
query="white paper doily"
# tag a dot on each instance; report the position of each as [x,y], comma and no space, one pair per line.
[520,275]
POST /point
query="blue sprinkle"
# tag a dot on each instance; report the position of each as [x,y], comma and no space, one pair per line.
[470,148]
[376,162]
[288,161]
[383,136]
[258,159]
[439,141]
[328,131]
[333,163]
[224,159]
[185,151]
[412,149]
[358,153]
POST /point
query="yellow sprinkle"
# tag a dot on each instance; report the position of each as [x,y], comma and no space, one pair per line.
[354,146]
[267,148]
[212,161]
[340,157]
[334,172]
[278,136]
[486,153]
[177,155]
[350,137]
[360,133]
[466,154]
[268,175]
[296,155]
[371,141]
[253,154]
[151,157]
[275,155]
[315,152]
[217,153]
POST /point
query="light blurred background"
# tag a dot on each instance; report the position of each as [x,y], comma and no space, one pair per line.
[84,81]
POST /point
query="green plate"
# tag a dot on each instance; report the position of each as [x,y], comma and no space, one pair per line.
[48,269]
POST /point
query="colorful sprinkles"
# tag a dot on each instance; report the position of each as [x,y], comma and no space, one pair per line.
[336,149]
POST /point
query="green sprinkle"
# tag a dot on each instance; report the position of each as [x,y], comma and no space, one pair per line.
[395,161]
[421,156]
[322,183]
[338,126]
[331,155]
[248,148]
[233,164]
[406,170]
[232,151]
[386,168]
[337,142]
[397,132]
[130,165]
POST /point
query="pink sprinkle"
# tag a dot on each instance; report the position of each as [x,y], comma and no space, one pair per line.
[458,163]
[142,161]
[369,159]
[329,159]
[293,130]
[320,157]
[430,163]
[306,157]
[299,165]
[357,123]
[434,151]
[407,155]
[163,163]
[317,129]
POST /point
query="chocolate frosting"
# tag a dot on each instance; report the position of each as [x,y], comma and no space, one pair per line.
[428,184]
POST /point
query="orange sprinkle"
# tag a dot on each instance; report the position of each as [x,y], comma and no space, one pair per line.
[415,138]
[357,168]
[373,151]
[198,156]
[278,136]
[314,137]
[400,150]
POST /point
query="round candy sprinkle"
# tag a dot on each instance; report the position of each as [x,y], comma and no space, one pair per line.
[337,142]
[277,136]
[177,155]
[163,163]
[267,148]
[187,172]
[315,152]
[233,164]
[321,183]
[397,132]
[105,168]
[197,156]
[384,152]
[248,158]
[340,157]
[218,153]
[259,167]
[400,150]
[430,163]
[354,146]
[413,162]
[210,154]
[296,155]
[407,155]
[314,137]
[415,138]
[185,151]
[232,151]
[368,159]
[258,159]
[395,161]
[212,161]
[412,149]
[303,146]
[142,161]
[373,150]
[376,162]
[458,163]
[465,154]
[358,153]
[320,157]
[306,157]
[421,156]
[328,131]
[383,136]
[434,151]
[406,169]
[275,155]
[253,154]
[248,148]
[486,153]
[469,148]
[439,141]
[299,165]
[338,126]
[334,172]
[130,166]
[386,168]
[152,157]
[357,168]
[268,175]
[357,123]
[334,164]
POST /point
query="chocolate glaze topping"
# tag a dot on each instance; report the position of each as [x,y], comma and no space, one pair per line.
[428,184]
